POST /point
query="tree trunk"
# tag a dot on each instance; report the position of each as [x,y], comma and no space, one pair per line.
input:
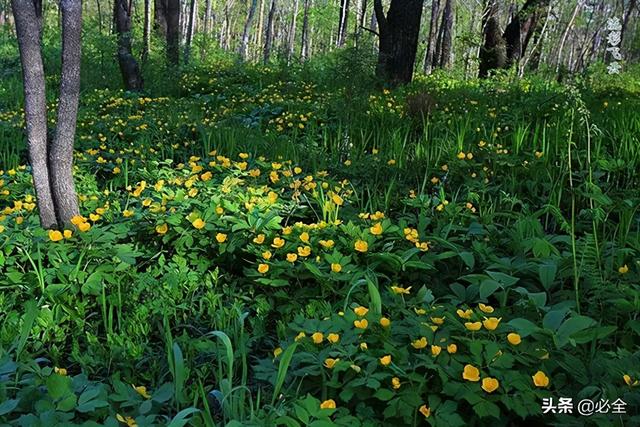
[269,36]
[433,32]
[52,166]
[160,17]
[35,106]
[522,27]
[342,23]
[444,60]
[173,31]
[146,30]
[246,32]
[493,53]
[292,32]
[304,50]
[61,150]
[207,17]
[565,34]
[625,20]
[399,32]
[190,30]
[129,68]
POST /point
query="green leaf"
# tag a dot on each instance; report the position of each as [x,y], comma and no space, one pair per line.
[384,394]
[547,273]
[488,287]
[523,327]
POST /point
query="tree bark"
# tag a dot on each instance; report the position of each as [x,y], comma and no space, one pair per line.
[160,17]
[444,60]
[565,34]
[399,32]
[292,32]
[35,106]
[129,67]
[146,33]
[522,27]
[625,20]
[52,165]
[433,32]
[190,30]
[173,31]
[304,50]
[493,53]
[246,32]
[343,22]
[269,36]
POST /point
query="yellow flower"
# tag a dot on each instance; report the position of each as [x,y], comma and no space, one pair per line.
[162,228]
[67,234]
[466,314]
[94,217]
[221,237]
[425,410]
[395,383]
[420,343]
[514,339]
[55,235]
[291,257]
[142,391]
[328,404]
[385,322]
[198,223]
[473,326]
[304,237]
[471,373]
[84,226]
[317,337]
[304,251]
[327,244]
[399,290]
[490,384]
[435,350]
[623,270]
[540,379]
[333,338]
[330,363]
[452,348]
[127,213]
[60,371]
[361,324]
[376,229]
[277,243]
[491,323]
[266,255]
[277,351]
[130,422]
[361,311]
[629,381]
[263,268]
[485,308]
[437,320]
[336,268]
[361,246]
[364,346]
[337,200]
[77,219]
[385,360]
[259,239]
[299,336]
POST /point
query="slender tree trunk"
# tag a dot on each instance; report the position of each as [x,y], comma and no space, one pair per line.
[399,32]
[269,36]
[146,30]
[447,34]
[304,50]
[160,17]
[433,32]
[246,32]
[342,23]
[129,67]
[207,17]
[258,39]
[493,53]
[292,32]
[190,30]
[625,20]
[173,31]
[565,34]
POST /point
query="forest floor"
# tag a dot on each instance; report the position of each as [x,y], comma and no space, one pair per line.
[263,246]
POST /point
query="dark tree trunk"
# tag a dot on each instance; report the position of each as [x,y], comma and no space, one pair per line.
[129,67]
[207,17]
[52,165]
[625,20]
[522,27]
[160,17]
[292,31]
[446,33]
[268,41]
[493,52]
[433,33]
[173,31]
[399,32]
[342,24]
